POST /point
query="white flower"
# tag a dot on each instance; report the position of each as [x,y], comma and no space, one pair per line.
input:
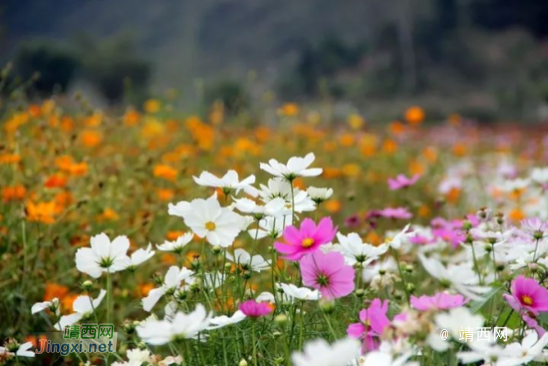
[271,226]
[280,188]
[489,352]
[461,277]
[140,256]
[172,281]
[458,320]
[321,353]
[158,332]
[177,245]
[275,207]
[514,185]
[82,306]
[53,305]
[266,297]
[523,353]
[219,225]
[223,320]
[355,250]
[319,195]
[295,167]
[540,175]
[300,293]
[22,351]
[228,182]
[390,353]
[400,238]
[103,256]
[136,357]
[180,209]
[244,259]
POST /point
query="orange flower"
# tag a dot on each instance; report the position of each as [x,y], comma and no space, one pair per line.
[453,195]
[55,181]
[66,124]
[424,211]
[10,158]
[396,128]
[67,302]
[67,164]
[152,106]
[289,110]
[17,192]
[108,215]
[91,138]
[430,153]
[351,170]
[131,117]
[414,115]
[54,290]
[41,212]
[173,235]
[516,215]
[346,140]
[145,288]
[390,146]
[168,258]
[330,172]
[355,121]
[459,149]
[299,183]
[94,120]
[165,194]
[165,171]
[332,206]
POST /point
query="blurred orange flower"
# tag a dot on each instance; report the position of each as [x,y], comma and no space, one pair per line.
[165,171]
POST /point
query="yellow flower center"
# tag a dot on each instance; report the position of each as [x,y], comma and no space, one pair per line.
[210,225]
[307,243]
[527,300]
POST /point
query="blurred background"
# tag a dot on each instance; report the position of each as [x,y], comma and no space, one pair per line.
[486,59]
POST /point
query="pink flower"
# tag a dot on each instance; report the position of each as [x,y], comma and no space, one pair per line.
[254,309]
[401,181]
[527,295]
[396,213]
[306,240]
[440,301]
[373,322]
[328,273]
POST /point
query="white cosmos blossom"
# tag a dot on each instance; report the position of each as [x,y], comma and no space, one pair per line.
[454,322]
[135,357]
[271,226]
[390,353]
[223,320]
[461,277]
[103,256]
[522,353]
[281,188]
[22,351]
[400,238]
[295,167]
[82,306]
[539,175]
[300,293]
[320,353]
[219,225]
[486,351]
[230,181]
[158,332]
[275,207]
[41,306]
[319,195]
[355,250]
[266,297]
[256,263]
[140,256]
[177,245]
[172,281]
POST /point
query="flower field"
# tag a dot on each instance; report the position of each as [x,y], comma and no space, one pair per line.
[306,240]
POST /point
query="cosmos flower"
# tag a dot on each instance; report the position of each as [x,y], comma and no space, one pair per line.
[256,263]
[401,181]
[103,256]
[254,309]
[307,239]
[52,305]
[183,326]
[319,195]
[83,306]
[373,322]
[223,320]
[228,183]
[439,301]
[400,213]
[172,281]
[300,293]
[321,353]
[356,251]
[177,245]
[207,219]
[295,167]
[22,351]
[527,295]
[327,273]
[140,256]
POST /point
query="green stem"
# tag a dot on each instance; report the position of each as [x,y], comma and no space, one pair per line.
[254,343]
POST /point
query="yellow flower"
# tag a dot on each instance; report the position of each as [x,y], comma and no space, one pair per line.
[152,106]
[289,110]
[355,121]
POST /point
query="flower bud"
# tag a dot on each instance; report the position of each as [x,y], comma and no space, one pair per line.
[360,292]
[410,288]
[243,362]
[128,326]
[280,319]
[466,225]
[408,268]
[327,306]
[87,285]
[217,250]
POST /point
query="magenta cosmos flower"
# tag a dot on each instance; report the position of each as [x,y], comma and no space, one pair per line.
[401,181]
[254,309]
[396,213]
[307,239]
[328,273]
[440,301]
[527,295]
[373,322]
